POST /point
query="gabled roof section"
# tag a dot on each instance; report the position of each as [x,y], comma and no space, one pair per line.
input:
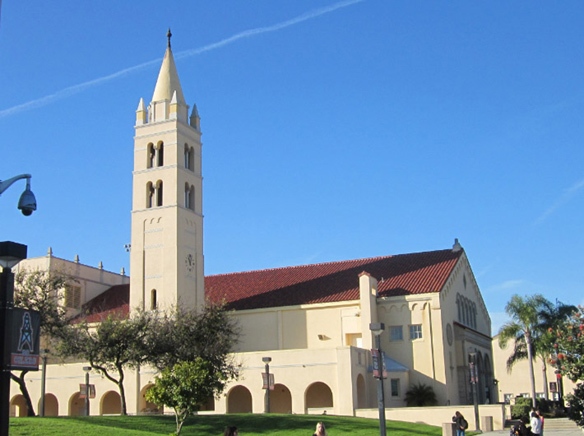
[168,82]
[114,301]
[405,274]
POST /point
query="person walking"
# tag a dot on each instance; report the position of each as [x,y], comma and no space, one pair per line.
[230,431]
[540,414]
[461,424]
[320,429]
[535,423]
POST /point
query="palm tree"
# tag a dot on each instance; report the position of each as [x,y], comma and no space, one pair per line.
[523,328]
[551,317]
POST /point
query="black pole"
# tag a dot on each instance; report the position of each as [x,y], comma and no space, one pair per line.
[380,393]
[43,382]
[267,396]
[86,393]
[474,378]
[6,305]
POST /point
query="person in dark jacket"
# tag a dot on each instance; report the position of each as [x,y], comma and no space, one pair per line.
[461,424]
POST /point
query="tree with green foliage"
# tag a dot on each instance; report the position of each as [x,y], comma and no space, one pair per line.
[111,346]
[185,386]
[523,330]
[570,351]
[41,291]
[569,338]
[420,395]
[182,334]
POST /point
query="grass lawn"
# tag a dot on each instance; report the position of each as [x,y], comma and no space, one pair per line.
[212,425]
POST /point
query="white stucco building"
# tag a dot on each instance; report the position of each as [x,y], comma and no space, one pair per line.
[312,320]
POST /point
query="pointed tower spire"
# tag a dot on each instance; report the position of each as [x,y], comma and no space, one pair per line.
[167,85]
[168,80]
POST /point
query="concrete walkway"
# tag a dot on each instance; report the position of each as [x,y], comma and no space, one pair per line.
[552,432]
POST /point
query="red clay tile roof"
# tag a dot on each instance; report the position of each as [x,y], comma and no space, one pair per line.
[113,301]
[403,274]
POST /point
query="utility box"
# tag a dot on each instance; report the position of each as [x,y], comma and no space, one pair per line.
[486,423]
[448,429]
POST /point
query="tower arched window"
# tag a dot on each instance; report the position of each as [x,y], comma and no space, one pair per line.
[160,154]
[459,307]
[189,157]
[187,196]
[159,193]
[150,154]
[149,195]
[153,300]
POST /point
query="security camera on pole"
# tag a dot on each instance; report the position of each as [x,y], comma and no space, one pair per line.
[27,203]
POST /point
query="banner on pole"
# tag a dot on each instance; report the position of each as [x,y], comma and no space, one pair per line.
[25,327]
[265,381]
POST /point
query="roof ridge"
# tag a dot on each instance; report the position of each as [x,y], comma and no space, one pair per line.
[374,258]
[302,266]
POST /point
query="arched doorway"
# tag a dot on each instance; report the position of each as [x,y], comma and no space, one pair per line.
[77,405]
[361,392]
[280,399]
[145,407]
[18,406]
[239,400]
[51,405]
[318,396]
[111,403]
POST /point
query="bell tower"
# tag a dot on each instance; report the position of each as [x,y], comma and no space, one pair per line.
[166,259]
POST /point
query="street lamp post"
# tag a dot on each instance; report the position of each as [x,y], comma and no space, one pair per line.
[474,379]
[10,254]
[267,361]
[87,369]
[377,328]
[44,356]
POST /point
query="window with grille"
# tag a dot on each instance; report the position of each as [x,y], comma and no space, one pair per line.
[73,297]
[416,331]
[396,333]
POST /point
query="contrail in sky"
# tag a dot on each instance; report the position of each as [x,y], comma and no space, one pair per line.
[564,198]
[71,90]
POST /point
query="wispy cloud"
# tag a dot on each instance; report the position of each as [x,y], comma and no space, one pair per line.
[498,319]
[71,90]
[508,285]
[566,196]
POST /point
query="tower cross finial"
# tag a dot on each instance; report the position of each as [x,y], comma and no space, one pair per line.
[169,35]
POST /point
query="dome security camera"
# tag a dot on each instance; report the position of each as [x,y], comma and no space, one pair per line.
[27,203]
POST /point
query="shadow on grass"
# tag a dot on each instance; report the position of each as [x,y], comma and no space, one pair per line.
[213,425]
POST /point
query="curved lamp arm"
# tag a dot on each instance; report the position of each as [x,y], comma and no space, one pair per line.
[4,185]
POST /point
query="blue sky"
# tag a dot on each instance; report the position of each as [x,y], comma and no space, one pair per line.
[331,130]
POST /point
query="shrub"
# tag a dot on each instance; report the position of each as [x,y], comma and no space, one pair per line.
[576,402]
[421,395]
[521,408]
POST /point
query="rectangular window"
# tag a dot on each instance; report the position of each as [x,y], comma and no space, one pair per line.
[416,331]
[73,297]
[507,398]
[395,387]
[396,333]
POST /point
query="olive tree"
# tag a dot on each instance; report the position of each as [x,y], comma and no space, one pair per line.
[111,346]
[185,386]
